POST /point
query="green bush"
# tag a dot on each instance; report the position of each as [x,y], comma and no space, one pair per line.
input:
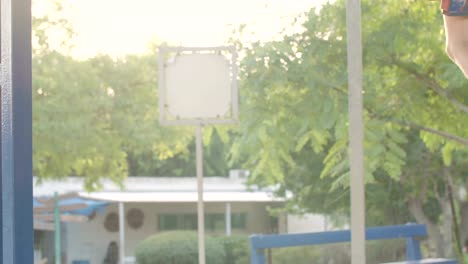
[236,249]
[382,251]
[295,255]
[178,247]
[376,251]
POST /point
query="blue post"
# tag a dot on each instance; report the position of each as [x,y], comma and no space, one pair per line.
[257,255]
[16,133]
[413,249]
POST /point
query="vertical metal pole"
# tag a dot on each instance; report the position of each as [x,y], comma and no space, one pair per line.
[413,249]
[228,219]
[16,133]
[356,133]
[1,159]
[200,207]
[122,232]
[58,240]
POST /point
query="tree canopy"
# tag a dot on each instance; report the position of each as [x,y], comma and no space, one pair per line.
[294,91]
[294,120]
[92,117]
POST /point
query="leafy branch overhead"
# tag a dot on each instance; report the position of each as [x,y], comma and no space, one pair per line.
[294,93]
[294,121]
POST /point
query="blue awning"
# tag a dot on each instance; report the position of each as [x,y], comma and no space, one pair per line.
[92,206]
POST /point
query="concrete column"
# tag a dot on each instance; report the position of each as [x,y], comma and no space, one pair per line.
[228,219]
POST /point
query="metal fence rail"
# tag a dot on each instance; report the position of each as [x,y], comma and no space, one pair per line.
[411,232]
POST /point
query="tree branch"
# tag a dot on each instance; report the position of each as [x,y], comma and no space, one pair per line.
[431,84]
[415,206]
[444,134]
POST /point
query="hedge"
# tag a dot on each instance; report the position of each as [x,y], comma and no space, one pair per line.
[177,247]
[180,247]
[236,249]
[376,251]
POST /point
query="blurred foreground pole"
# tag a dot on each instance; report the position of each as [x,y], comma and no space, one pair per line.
[356,133]
[16,242]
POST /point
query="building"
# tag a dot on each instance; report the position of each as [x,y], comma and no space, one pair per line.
[148,205]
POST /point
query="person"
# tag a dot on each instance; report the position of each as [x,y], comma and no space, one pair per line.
[112,256]
[455,14]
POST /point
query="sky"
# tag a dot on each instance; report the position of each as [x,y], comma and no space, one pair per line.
[119,27]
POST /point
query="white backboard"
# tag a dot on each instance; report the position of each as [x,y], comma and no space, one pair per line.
[197,86]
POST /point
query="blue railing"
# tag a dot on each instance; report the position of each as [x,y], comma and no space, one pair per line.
[411,232]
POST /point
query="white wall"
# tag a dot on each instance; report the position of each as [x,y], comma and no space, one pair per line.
[89,241]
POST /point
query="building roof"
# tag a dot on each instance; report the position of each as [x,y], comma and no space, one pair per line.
[161,189]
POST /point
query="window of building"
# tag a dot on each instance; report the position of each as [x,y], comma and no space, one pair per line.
[167,222]
[38,239]
[189,222]
[213,222]
[239,221]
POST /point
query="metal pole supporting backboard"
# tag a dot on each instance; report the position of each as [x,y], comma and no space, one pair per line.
[356,132]
[121,233]
[200,203]
[16,133]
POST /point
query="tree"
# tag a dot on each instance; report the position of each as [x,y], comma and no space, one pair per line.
[97,118]
[215,158]
[91,117]
[294,109]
